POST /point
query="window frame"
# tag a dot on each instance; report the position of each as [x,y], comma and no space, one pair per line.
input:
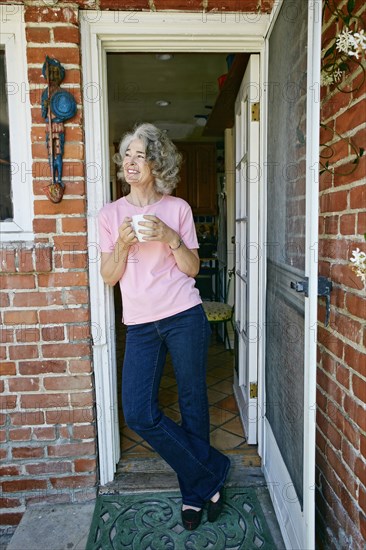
[13,40]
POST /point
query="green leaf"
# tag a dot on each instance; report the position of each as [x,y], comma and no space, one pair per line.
[330,50]
[347,19]
[343,66]
[350,6]
[362,150]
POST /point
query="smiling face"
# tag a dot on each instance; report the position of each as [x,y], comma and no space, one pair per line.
[136,168]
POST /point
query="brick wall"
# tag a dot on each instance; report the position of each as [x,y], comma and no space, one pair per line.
[47,402]
[341,398]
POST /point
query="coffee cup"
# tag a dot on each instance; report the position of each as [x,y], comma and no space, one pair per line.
[137,228]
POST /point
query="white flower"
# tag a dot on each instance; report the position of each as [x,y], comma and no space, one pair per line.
[351,44]
[359,263]
[361,39]
[326,79]
[337,75]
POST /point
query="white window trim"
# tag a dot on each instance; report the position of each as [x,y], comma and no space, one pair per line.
[12,37]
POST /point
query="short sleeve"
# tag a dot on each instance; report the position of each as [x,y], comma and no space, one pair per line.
[188,228]
[105,237]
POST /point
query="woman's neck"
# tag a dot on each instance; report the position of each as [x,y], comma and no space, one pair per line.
[143,197]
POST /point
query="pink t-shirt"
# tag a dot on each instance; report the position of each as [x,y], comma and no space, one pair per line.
[152,286]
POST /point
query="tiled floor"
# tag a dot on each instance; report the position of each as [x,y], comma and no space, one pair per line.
[226,427]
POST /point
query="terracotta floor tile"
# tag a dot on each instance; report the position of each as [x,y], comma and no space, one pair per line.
[220,416]
[127,443]
[225,441]
[167,381]
[221,373]
[226,386]
[234,426]
[167,397]
[228,404]
[214,396]
[127,432]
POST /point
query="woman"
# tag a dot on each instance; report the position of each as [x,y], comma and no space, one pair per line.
[163,312]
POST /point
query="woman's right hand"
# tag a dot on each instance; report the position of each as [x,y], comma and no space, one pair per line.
[127,236]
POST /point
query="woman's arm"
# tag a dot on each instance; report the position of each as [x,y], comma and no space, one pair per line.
[114,263]
[156,230]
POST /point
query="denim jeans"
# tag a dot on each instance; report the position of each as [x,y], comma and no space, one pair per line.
[200,468]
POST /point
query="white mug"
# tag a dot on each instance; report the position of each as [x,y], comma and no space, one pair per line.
[137,228]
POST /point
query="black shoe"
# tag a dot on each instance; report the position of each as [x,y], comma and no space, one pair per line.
[215,508]
[191,519]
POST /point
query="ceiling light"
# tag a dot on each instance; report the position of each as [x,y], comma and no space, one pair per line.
[162,103]
[164,56]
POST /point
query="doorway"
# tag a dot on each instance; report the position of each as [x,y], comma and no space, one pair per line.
[178,92]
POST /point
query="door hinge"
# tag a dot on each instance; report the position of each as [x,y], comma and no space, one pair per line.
[253,390]
[255,112]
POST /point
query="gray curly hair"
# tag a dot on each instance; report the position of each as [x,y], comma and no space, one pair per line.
[161,153]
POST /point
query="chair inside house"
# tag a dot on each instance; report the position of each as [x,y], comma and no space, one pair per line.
[221,312]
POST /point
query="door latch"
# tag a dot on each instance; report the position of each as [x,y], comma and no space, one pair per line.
[324,289]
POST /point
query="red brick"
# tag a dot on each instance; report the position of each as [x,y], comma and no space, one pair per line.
[27,418]
[27,452]
[43,366]
[21,384]
[77,260]
[361,223]
[74,151]
[7,368]
[66,206]
[74,482]
[23,317]
[69,315]
[331,225]
[61,280]
[44,434]
[84,399]
[330,341]
[76,296]
[20,434]
[360,470]
[350,328]
[329,386]
[84,432]
[343,274]
[79,332]
[348,224]
[74,225]
[349,454]
[9,502]
[18,281]
[23,352]
[64,55]
[52,14]
[44,401]
[71,243]
[66,350]
[22,485]
[4,300]
[358,196]
[85,465]
[37,299]
[67,383]
[53,333]
[80,366]
[342,375]
[7,259]
[356,305]
[27,334]
[71,449]
[66,34]
[49,467]
[11,518]
[334,201]
[43,259]
[330,433]
[132,5]
[334,248]
[351,173]
[355,359]
[359,388]
[354,116]
[355,412]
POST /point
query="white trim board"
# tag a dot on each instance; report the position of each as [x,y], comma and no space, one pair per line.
[100,32]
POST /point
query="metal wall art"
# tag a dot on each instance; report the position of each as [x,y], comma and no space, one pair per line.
[58,105]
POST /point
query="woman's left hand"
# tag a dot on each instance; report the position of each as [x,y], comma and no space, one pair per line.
[157,230]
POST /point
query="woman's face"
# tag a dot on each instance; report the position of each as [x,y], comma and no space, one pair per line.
[136,169]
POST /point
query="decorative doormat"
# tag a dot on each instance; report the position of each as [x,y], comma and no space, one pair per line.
[148,521]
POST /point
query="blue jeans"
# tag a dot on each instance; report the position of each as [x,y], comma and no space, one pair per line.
[200,468]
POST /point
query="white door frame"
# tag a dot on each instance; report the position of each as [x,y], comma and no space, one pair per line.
[289,514]
[102,32]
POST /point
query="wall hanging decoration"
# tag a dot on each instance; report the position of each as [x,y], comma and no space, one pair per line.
[58,105]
